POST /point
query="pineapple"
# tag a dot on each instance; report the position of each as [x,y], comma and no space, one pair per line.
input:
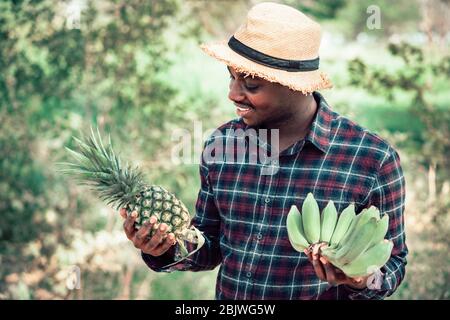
[124,187]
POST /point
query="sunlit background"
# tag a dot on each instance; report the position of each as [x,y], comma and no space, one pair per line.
[134,69]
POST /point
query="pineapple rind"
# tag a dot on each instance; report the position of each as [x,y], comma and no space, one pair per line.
[164,206]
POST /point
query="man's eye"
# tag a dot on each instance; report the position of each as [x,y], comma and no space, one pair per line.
[251,88]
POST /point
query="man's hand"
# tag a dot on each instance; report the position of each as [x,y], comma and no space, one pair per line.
[327,272]
[156,245]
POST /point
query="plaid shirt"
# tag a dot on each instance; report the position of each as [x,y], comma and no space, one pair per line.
[242,212]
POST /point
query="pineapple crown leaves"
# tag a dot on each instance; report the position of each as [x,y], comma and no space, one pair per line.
[100,168]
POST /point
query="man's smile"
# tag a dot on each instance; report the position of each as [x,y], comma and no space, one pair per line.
[243,110]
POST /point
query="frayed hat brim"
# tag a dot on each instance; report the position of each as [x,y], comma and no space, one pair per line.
[304,81]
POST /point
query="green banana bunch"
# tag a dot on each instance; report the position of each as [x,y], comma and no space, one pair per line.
[363,250]
[360,219]
[358,242]
[370,261]
[353,243]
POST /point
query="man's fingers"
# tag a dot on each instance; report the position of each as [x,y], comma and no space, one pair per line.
[157,238]
[159,243]
[140,236]
[334,275]
[164,246]
[128,225]
[325,271]
[144,230]
[330,274]
[308,254]
[318,268]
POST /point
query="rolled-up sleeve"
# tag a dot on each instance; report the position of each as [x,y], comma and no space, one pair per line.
[388,194]
[207,220]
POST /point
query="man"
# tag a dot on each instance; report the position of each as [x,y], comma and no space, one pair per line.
[242,207]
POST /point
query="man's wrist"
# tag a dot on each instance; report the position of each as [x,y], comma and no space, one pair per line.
[354,289]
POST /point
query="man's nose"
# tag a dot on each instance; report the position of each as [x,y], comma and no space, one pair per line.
[235,94]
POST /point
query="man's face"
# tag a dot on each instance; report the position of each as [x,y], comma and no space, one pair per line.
[259,102]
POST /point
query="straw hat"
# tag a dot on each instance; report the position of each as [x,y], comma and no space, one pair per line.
[277,43]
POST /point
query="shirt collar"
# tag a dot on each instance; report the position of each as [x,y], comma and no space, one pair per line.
[319,134]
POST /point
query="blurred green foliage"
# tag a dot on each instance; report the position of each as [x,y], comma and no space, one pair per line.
[422,78]
[321,9]
[56,81]
[134,69]
[351,17]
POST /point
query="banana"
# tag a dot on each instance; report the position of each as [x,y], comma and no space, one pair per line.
[366,214]
[345,219]
[380,231]
[330,254]
[295,230]
[358,242]
[311,219]
[328,222]
[359,220]
[370,261]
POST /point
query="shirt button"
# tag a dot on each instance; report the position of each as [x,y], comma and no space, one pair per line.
[267,200]
[248,274]
[259,236]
